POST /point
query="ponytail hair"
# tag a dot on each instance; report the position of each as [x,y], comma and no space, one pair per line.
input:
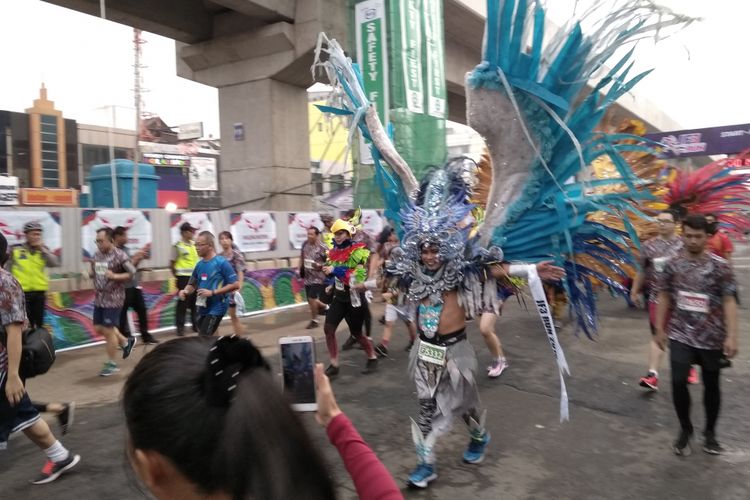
[214,410]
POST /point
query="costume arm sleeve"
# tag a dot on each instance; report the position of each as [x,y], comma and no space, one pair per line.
[371,479]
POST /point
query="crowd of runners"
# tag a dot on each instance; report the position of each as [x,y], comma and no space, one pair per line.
[687,281]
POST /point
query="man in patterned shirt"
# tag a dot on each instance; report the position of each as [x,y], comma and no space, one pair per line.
[311,270]
[698,288]
[654,254]
[111,270]
[17,413]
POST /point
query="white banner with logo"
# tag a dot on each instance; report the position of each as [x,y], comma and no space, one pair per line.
[432,12]
[12,222]
[299,223]
[8,190]
[137,223]
[254,231]
[203,174]
[199,220]
[540,299]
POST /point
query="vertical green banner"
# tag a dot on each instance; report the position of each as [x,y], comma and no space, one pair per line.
[432,17]
[372,53]
[411,44]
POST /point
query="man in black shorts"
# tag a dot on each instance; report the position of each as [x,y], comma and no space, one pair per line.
[312,259]
[17,413]
[698,289]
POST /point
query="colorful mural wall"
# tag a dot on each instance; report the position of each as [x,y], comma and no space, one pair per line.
[69,314]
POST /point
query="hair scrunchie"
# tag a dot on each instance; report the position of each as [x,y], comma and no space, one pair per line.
[227,359]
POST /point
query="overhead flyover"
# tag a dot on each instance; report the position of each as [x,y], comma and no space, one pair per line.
[258,54]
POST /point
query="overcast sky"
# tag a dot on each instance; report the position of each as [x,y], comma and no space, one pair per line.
[700,79]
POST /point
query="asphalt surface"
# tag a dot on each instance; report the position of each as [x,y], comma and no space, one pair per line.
[616,445]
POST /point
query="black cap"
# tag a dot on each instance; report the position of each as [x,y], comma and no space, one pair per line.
[185,226]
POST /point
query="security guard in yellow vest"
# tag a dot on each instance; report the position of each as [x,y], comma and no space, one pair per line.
[29,263]
[184,259]
[326,236]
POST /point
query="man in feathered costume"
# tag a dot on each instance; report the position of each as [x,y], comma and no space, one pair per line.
[445,273]
[537,117]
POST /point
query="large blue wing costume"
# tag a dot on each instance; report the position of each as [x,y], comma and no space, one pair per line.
[532,101]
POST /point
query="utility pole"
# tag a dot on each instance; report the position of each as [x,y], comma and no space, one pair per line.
[137,89]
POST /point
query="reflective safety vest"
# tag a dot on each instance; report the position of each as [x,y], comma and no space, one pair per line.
[29,270]
[187,258]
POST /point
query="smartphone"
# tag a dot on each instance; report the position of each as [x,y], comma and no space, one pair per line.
[298,365]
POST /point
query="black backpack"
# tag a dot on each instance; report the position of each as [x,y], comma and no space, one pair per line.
[37,352]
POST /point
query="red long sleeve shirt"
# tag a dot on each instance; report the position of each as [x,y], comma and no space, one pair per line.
[371,479]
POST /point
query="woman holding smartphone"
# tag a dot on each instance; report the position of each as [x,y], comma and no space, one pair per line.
[205,419]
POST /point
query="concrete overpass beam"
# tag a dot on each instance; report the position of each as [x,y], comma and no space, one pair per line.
[269,10]
[271,39]
[184,20]
[270,168]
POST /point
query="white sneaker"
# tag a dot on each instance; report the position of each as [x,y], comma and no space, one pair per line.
[497,368]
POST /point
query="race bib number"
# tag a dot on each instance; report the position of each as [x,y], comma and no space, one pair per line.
[693,302]
[430,353]
[339,285]
[309,264]
[100,268]
[659,264]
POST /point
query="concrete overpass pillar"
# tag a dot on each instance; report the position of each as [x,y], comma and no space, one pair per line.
[265,152]
[259,57]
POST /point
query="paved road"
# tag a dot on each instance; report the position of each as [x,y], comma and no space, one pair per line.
[616,446]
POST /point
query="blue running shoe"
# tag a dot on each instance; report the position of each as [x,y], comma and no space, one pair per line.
[110,368]
[422,475]
[474,454]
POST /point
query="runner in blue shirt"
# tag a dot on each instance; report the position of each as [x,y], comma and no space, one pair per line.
[213,280]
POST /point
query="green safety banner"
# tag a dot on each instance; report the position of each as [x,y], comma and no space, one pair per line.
[372,53]
[411,44]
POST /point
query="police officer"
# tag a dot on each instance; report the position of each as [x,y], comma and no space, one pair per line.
[28,263]
[184,259]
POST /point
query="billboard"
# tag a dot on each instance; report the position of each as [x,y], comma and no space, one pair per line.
[703,141]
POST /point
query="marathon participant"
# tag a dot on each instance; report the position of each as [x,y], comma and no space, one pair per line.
[184,259]
[133,292]
[212,280]
[487,322]
[396,306]
[446,387]
[654,255]
[110,269]
[312,260]
[28,263]
[698,288]
[233,255]
[359,235]
[16,411]
[718,241]
[346,265]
